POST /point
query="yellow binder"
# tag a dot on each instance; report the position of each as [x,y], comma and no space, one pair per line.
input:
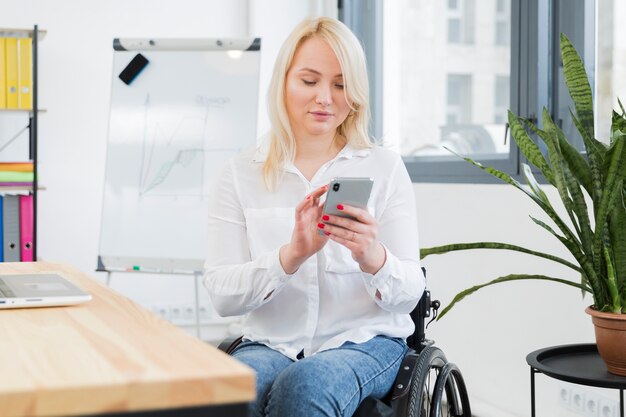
[3,78]
[11,73]
[25,73]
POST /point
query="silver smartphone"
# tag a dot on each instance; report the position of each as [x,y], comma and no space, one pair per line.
[351,191]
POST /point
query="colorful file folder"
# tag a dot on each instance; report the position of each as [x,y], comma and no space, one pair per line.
[11,73]
[25,73]
[3,76]
[17,166]
[11,228]
[1,232]
[26,228]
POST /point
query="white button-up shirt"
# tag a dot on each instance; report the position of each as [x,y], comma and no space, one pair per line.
[328,300]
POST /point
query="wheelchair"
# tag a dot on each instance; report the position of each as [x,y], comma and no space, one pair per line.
[427,385]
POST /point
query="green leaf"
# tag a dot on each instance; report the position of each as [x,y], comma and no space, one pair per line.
[618,127]
[577,163]
[616,302]
[617,226]
[573,187]
[558,167]
[596,152]
[534,185]
[438,250]
[592,145]
[548,228]
[577,84]
[513,277]
[613,188]
[530,150]
[567,184]
[588,271]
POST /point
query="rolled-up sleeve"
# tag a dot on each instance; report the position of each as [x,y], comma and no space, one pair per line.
[400,282]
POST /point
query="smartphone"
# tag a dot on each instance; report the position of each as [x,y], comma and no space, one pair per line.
[351,191]
[134,67]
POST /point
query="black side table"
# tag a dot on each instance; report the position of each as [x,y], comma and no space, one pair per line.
[579,364]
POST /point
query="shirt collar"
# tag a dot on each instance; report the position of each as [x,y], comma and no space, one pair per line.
[348,152]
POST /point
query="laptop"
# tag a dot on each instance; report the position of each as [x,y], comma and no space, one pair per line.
[39,290]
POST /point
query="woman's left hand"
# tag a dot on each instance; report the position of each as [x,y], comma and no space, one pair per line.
[360,236]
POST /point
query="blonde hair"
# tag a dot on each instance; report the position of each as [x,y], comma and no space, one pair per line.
[351,58]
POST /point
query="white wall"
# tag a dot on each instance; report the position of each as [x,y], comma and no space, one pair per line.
[488,335]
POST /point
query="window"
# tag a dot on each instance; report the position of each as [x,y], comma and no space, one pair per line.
[454,30]
[501,99]
[444,75]
[459,102]
[460,21]
[503,23]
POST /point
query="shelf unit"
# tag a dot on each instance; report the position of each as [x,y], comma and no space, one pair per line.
[36,35]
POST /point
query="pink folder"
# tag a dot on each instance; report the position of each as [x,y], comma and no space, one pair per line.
[26,228]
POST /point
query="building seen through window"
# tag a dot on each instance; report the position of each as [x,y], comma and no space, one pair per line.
[446,76]
[610,74]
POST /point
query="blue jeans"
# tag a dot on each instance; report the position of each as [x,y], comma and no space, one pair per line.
[330,383]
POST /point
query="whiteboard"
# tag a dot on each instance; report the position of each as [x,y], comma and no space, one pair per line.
[191,108]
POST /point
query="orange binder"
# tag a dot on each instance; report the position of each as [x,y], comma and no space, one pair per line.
[11,73]
[25,73]
[17,166]
[3,77]
[26,228]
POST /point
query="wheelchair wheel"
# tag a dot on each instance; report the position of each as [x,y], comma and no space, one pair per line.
[435,390]
[429,363]
[450,381]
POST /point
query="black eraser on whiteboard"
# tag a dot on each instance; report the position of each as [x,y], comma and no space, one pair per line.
[134,67]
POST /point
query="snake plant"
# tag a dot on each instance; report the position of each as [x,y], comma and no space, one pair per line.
[595,236]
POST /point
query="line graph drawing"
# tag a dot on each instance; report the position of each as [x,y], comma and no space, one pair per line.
[183,158]
[172,159]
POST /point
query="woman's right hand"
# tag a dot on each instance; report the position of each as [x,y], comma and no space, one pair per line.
[305,240]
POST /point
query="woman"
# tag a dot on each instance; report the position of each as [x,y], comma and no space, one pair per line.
[327,314]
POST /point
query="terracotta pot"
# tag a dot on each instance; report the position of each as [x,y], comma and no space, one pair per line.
[610,338]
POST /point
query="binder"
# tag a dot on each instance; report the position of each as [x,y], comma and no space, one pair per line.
[26,228]
[16,184]
[16,176]
[11,73]
[17,166]
[25,73]
[3,77]
[11,228]
[1,233]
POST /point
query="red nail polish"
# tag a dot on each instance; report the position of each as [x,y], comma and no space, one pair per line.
[327,233]
[321,225]
[325,217]
[339,207]
[308,197]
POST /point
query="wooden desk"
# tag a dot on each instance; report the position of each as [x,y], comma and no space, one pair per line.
[109,356]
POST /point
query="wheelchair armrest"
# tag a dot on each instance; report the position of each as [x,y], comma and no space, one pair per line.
[402,382]
[229,344]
